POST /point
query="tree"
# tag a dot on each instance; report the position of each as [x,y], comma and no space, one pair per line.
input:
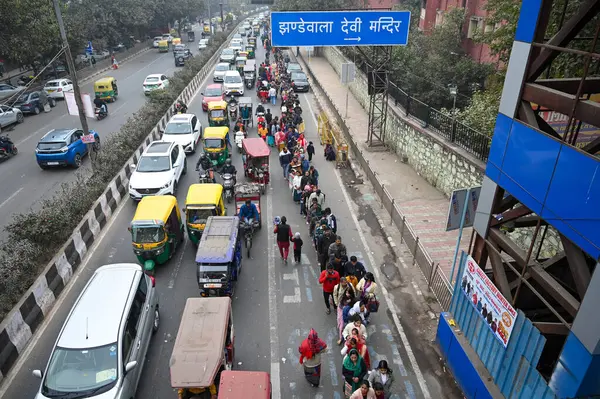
[316,5]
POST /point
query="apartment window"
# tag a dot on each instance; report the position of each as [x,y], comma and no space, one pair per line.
[475,24]
[489,28]
[439,18]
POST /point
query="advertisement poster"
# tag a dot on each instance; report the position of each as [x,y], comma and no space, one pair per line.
[72,105]
[491,305]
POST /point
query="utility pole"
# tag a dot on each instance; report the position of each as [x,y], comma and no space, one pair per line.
[210,29]
[222,19]
[73,73]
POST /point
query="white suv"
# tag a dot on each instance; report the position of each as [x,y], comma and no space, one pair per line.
[185,130]
[158,170]
[233,83]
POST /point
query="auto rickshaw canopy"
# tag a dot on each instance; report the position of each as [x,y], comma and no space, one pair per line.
[203,194]
[256,147]
[200,342]
[244,384]
[104,83]
[156,208]
[216,132]
[221,104]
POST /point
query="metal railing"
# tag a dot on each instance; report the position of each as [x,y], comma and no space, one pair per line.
[437,281]
[443,124]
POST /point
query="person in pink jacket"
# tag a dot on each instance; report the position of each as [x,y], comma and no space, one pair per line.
[364,392]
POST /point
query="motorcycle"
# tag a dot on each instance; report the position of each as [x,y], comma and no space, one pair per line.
[180,109]
[260,173]
[248,232]
[99,114]
[239,136]
[228,183]
[249,83]
[206,176]
[7,148]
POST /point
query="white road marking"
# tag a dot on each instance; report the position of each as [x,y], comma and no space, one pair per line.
[13,195]
[416,287]
[296,298]
[273,324]
[24,356]
[43,128]
[178,266]
[386,295]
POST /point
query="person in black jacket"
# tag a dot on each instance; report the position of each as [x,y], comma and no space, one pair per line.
[284,235]
[354,268]
[323,244]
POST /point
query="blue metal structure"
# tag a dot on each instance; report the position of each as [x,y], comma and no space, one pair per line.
[340,28]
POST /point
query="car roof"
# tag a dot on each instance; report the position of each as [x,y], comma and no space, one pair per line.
[159,148]
[154,75]
[236,73]
[56,80]
[215,85]
[178,118]
[97,315]
[223,64]
[55,135]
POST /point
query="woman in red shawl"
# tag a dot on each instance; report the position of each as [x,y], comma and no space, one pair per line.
[310,357]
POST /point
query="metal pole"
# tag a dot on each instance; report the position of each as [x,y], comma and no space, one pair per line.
[460,232]
[73,72]
[222,19]
[347,91]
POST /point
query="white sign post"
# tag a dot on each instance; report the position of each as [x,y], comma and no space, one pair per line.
[348,76]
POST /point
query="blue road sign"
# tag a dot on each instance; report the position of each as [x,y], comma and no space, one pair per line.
[340,28]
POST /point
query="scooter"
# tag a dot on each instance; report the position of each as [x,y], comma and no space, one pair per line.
[239,136]
[228,183]
[233,109]
[7,148]
[99,114]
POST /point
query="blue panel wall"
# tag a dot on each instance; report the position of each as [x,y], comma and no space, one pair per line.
[556,181]
[577,373]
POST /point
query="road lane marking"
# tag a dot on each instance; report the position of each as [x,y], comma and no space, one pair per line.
[273,324]
[386,295]
[307,283]
[23,357]
[45,127]
[296,298]
[178,266]
[13,195]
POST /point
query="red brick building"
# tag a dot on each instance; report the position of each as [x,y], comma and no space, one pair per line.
[432,14]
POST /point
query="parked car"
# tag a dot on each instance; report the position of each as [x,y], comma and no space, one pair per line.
[213,92]
[293,67]
[185,130]
[105,339]
[202,44]
[233,83]
[220,69]
[63,147]
[96,55]
[158,170]
[300,81]
[10,116]
[33,102]
[156,81]
[56,88]
[156,40]
[7,90]
[227,55]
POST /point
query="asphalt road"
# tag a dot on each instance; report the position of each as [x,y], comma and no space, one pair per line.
[23,182]
[275,304]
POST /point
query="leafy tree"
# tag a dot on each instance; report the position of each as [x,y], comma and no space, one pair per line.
[316,5]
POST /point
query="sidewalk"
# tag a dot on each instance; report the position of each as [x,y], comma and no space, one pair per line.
[425,207]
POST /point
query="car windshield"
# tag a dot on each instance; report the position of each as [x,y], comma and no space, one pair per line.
[213,92]
[52,84]
[51,146]
[199,216]
[233,79]
[294,67]
[158,38]
[147,234]
[222,67]
[213,143]
[81,371]
[178,128]
[23,97]
[227,51]
[152,80]
[154,164]
[204,41]
[298,76]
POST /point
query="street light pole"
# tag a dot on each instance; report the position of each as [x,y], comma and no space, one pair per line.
[72,71]
[222,19]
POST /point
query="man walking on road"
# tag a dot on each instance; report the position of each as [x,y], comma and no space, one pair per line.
[329,279]
[285,158]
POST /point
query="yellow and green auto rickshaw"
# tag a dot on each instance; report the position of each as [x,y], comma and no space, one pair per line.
[156,230]
[163,46]
[215,141]
[202,201]
[250,50]
[217,113]
[252,41]
[106,88]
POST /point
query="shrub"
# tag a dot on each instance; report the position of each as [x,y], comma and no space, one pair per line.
[36,236]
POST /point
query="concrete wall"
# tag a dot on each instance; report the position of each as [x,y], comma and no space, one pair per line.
[442,164]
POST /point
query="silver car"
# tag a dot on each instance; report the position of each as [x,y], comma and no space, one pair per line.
[101,348]
[7,90]
[9,116]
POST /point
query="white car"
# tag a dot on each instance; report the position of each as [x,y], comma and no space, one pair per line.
[156,40]
[156,81]
[202,44]
[9,116]
[158,171]
[185,130]
[167,37]
[233,83]
[56,88]
[236,45]
[220,70]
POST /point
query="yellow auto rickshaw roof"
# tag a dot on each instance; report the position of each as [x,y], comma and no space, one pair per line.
[158,207]
[105,80]
[220,104]
[215,132]
[204,194]
[163,42]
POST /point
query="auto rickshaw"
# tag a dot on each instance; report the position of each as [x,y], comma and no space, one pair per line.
[217,113]
[176,41]
[252,41]
[243,53]
[163,46]
[249,76]
[245,107]
[156,230]
[202,201]
[219,253]
[215,142]
[244,384]
[256,29]
[255,153]
[191,36]
[106,88]
[250,50]
[240,62]
[251,63]
[204,346]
